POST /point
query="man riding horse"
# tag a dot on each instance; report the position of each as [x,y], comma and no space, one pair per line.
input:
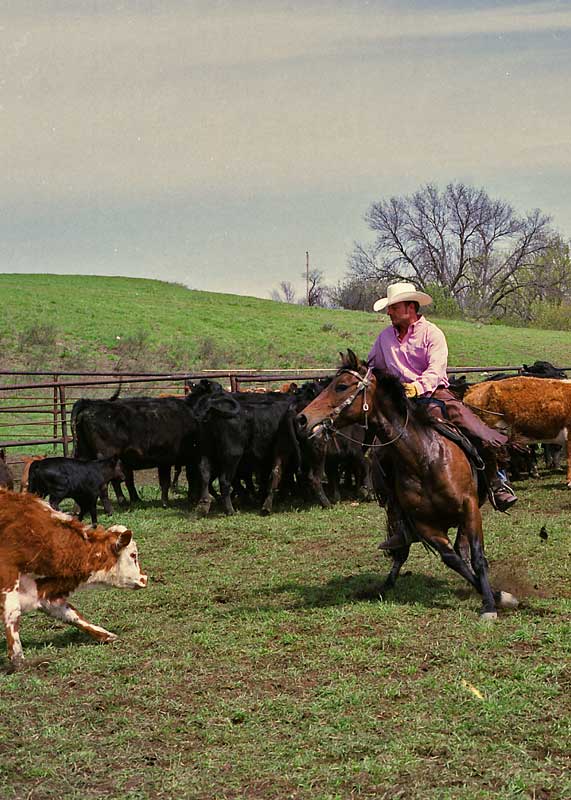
[415,351]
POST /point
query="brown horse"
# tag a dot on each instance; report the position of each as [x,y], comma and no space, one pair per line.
[433,486]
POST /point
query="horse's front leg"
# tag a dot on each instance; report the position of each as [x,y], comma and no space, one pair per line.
[399,557]
[472,525]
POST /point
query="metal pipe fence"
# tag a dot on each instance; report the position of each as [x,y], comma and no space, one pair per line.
[36,412]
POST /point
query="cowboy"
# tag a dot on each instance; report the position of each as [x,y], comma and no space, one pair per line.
[415,351]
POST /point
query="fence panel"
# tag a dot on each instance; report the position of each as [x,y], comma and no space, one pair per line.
[35,407]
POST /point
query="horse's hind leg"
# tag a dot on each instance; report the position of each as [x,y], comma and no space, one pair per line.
[477,578]
[462,546]
[399,557]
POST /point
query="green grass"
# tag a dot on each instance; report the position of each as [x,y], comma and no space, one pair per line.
[261,663]
[72,322]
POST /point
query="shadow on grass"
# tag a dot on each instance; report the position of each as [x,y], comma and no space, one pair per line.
[368,587]
[51,642]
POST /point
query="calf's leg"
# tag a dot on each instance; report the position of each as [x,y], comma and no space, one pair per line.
[60,609]
[204,501]
[104,495]
[165,484]
[130,484]
[11,610]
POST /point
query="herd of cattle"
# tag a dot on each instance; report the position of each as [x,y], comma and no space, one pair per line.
[248,442]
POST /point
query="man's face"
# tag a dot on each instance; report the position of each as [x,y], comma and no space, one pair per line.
[401,314]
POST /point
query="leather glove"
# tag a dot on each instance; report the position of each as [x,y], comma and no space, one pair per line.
[410,389]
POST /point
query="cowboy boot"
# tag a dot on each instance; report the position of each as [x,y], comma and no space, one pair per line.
[504,495]
[398,533]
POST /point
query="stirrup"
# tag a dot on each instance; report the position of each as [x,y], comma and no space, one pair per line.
[505,503]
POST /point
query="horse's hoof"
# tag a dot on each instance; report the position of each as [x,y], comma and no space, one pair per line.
[507,600]
[488,616]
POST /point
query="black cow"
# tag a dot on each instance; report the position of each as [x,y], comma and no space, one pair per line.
[83,481]
[543,369]
[346,465]
[6,479]
[239,447]
[300,460]
[341,459]
[147,432]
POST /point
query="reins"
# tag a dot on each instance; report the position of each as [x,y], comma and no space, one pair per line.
[362,386]
[337,432]
[485,410]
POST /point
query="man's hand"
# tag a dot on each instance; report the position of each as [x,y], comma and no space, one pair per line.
[410,389]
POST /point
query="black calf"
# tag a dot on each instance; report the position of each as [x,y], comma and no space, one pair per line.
[83,481]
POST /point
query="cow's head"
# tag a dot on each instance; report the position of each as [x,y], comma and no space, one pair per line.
[121,567]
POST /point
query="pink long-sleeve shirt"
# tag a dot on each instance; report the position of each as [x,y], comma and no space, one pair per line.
[421,356]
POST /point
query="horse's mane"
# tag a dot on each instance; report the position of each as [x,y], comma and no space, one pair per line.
[391,386]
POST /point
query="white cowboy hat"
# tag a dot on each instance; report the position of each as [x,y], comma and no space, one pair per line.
[399,292]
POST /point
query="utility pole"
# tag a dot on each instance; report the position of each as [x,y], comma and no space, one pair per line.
[307,276]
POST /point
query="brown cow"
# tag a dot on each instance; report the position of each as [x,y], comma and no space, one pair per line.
[25,477]
[6,479]
[527,409]
[45,555]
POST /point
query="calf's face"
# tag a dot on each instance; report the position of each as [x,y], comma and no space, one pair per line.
[123,570]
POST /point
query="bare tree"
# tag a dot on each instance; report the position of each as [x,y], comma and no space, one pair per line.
[548,281]
[317,291]
[477,248]
[285,294]
[356,294]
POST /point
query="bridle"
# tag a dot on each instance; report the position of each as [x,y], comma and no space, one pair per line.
[363,383]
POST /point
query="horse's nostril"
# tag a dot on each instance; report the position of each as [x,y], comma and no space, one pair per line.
[301,420]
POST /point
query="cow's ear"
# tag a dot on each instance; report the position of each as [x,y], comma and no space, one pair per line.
[123,540]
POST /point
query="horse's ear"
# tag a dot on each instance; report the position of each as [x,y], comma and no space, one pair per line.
[352,360]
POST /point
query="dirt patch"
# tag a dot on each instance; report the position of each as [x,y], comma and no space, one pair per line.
[512,577]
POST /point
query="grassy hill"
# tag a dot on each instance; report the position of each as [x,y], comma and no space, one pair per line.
[86,322]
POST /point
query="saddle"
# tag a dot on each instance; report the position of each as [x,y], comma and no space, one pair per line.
[455,435]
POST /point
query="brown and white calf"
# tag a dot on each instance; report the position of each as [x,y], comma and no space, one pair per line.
[527,409]
[46,555]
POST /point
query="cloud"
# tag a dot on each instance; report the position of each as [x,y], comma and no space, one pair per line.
[183,105]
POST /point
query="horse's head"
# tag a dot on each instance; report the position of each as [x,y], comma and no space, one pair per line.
[343,401]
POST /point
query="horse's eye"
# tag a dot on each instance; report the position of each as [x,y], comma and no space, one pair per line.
[341,387]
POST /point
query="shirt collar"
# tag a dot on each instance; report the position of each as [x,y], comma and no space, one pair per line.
[409,330]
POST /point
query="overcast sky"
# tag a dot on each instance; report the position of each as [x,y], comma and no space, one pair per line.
[214,142]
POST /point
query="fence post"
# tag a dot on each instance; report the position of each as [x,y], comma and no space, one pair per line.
[234,384]
[55,412]
[63,420]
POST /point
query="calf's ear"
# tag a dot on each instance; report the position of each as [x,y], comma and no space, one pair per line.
[123,540]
